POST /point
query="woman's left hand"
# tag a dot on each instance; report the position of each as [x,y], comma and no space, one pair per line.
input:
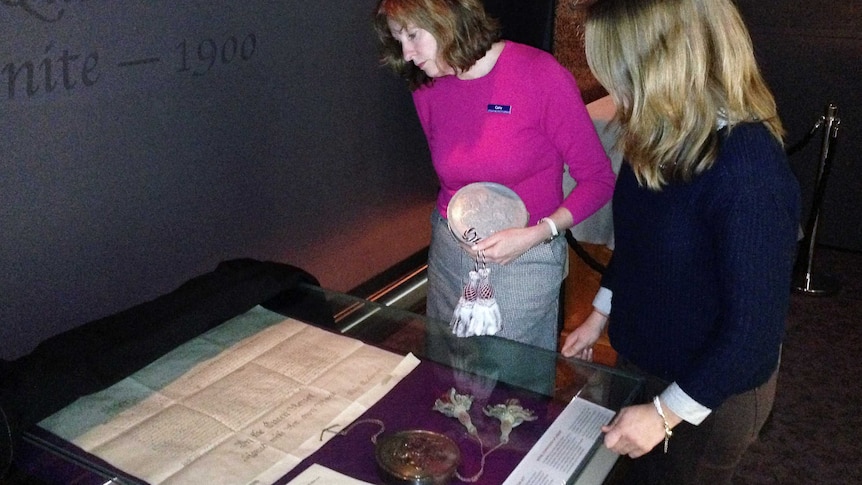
[637,429]
[507,245]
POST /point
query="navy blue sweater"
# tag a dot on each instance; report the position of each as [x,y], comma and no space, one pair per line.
[701,271]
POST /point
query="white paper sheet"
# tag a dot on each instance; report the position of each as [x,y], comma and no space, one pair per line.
[320,475]
[563,447]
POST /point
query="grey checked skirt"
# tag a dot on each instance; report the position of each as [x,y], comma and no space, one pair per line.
[527,290]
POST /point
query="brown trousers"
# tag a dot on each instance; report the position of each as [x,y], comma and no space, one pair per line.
[707,453]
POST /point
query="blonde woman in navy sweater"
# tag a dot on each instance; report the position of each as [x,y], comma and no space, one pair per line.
[706,218]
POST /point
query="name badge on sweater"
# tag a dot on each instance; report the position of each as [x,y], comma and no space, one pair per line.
[500,108]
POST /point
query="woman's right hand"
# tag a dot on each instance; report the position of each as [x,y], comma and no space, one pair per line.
[579,343]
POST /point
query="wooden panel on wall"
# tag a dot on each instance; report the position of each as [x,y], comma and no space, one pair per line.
[569,46]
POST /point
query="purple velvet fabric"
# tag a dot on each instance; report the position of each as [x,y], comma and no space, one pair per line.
[408,406]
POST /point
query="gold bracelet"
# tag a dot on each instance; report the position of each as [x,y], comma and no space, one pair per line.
[667,432]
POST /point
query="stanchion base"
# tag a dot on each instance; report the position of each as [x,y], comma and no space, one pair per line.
[815,284]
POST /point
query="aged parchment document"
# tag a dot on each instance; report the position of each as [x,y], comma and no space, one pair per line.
[244,402]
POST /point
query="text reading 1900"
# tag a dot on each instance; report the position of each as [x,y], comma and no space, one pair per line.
[62,69]
[208,52]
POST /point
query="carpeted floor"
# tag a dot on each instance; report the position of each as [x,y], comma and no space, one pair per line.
[815,431]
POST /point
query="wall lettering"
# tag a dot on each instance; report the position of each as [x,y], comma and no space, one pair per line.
[58,68]
[207,52]
[61,68]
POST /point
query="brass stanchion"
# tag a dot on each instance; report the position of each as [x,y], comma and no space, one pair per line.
[805,280]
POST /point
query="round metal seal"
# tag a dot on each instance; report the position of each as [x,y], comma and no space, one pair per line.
[417,457]
[480,209]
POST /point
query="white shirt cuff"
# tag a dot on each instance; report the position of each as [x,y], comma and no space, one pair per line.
[602,300]
[683,405]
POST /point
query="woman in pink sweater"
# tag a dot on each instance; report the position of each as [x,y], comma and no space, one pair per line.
[497,111]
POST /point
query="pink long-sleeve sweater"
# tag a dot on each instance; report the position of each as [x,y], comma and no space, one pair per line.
[517,126]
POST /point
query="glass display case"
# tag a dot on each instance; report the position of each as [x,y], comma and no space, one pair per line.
[490,371]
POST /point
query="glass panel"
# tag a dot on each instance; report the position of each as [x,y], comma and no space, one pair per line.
[506,361]
[498,365]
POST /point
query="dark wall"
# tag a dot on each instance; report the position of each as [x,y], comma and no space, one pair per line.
[143,149]
[530,23]
[144,142]
[811,54]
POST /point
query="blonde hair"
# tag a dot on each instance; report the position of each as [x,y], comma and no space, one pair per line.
[675,69]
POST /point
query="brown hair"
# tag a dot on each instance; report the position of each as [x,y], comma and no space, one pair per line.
[463,30]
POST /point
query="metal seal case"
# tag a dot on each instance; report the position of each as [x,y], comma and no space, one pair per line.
[417,457]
